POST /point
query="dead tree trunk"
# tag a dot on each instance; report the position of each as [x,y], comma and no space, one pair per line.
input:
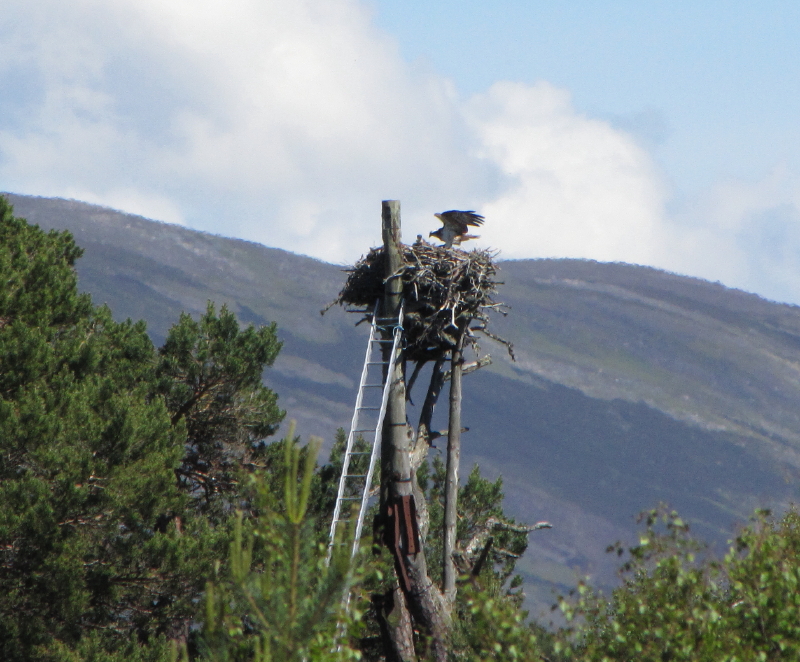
[452,475]
[393,442]
[418,594]
[447,290]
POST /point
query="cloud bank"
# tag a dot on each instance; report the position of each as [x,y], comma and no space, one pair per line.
[288,123]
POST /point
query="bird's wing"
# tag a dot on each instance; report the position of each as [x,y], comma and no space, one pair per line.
[460,220]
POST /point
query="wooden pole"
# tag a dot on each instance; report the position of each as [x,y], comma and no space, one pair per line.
[395,441]
[395,458]
[390,231]
[451,476]
[417,593]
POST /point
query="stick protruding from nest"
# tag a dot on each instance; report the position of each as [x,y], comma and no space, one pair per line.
[446,292]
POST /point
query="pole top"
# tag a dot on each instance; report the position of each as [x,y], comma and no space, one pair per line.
[390,216]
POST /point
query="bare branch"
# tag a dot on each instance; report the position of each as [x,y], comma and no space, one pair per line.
[483,532]
[472,366]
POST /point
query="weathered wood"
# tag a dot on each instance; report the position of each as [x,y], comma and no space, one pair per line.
[394,621]
[390,231]
[444,289]
[431,398]
[395,458]
[423,599]
[395,440]
[449,295]
[452,474]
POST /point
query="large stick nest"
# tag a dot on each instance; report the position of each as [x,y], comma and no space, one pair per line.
[445,291]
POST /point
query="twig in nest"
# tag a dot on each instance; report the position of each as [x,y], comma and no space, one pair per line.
[445,290]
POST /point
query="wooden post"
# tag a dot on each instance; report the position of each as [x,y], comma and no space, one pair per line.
[395,440]
[417,593]
[390,231]
[395,458]
[451,476]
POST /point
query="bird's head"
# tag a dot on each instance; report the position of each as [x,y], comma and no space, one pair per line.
[436,233]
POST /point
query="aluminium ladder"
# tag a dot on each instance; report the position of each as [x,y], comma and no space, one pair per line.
[367,424]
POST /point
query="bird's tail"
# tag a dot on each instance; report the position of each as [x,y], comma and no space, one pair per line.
[465,237]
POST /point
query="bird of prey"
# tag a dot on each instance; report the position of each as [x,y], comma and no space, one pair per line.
[455,225]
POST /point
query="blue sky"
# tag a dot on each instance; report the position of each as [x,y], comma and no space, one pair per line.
[655,133]
[712,87]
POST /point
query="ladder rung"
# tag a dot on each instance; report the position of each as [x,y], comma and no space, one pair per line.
[384,333]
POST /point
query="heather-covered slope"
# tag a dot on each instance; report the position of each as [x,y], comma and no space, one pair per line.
[632,385]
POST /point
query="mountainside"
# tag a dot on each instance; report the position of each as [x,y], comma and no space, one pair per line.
[631,386]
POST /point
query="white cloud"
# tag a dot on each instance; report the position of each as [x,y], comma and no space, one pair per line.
[287,123]
[744,233]
[580,188]
[245,114]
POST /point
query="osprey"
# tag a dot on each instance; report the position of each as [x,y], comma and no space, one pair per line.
[455,225]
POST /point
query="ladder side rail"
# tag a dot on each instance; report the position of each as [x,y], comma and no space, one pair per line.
[395,355]
[350,440]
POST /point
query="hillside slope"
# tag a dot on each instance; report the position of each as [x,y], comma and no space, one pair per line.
[632,385]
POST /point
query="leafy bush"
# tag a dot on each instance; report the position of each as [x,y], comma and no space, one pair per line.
[678,605]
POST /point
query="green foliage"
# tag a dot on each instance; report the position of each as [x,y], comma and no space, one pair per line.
[39,284]
[86,457]
[325,485]
[100,556]
[674,606]
[120,465]
[210,374]
[279,599]
[479,500]
[763,573]
[94,647]
[492,627]
[488,621]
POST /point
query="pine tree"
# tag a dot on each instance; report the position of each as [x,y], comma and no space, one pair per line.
[210,374]
[107,537]
[87,456]
[279,599]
